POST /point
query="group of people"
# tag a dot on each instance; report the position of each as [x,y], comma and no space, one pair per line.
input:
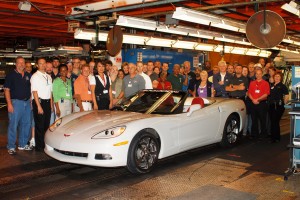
[260,86]
[35,100]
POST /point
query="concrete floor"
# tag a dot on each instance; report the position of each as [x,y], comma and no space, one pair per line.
[252,170]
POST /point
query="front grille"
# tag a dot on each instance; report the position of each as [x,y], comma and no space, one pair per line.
[69,153]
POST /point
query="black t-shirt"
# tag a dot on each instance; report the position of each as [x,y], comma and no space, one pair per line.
[237,81]
[277,92]
[19,86]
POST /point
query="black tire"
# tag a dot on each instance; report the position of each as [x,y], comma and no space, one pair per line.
[143,153]
[231,132]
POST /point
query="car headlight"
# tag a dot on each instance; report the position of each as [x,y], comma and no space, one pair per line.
[110,133]
[55,124]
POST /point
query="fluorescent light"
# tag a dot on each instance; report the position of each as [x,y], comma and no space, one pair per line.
[136,23]
[205,18]
[162,42]
[44,49]
[70,48]
[194,16]
[179,30]
[291,7]
[15,55]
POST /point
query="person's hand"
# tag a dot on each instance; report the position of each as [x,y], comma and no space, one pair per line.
[40,110]
[58,112]
[255,101]
[110,105]
[221,82]
[10,108]
[95,107]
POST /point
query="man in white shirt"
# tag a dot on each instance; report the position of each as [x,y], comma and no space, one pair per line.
[41,88]
[148,82]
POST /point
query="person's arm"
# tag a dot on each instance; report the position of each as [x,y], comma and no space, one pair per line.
[78,99]
[230,88]
[141,83]
[94,97]
[154,84]
[186,80]
[10,107]
[239,87]
[110,97]
[57,110]
[262,97]
[121,95]
[51,102]
[286,99]
[212,91]
[37,102]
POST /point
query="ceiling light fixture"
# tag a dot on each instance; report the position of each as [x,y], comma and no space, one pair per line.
[179,30]
[292,7]
[24,6]
[205,18]
[87,34]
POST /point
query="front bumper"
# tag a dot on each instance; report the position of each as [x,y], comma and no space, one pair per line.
[97,154]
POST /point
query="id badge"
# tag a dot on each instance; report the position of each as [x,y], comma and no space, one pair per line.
[130,85]
[257,91]
[89,92]
[113,92]
[201,91]
[67,94]
[105,91]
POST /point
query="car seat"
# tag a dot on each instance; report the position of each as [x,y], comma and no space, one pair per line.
[197,100]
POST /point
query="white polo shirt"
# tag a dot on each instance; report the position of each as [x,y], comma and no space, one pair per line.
[148,82]
[42,83]
[92,79]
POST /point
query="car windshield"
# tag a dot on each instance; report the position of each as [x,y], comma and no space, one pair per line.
[155,101]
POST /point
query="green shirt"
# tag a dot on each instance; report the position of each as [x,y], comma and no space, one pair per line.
[61,89]
[176,81]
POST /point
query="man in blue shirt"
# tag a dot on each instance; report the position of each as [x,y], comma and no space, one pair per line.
[17,94]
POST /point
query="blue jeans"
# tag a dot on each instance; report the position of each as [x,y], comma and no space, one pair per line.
[19,121]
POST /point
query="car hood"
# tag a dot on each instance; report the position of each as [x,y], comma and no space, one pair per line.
[96,121]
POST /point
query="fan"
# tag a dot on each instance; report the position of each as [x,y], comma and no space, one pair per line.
[265,29]
[114,41]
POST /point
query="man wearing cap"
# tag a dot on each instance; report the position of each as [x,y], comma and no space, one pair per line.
[17,94]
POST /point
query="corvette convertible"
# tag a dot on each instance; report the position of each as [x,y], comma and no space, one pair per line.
[146,127]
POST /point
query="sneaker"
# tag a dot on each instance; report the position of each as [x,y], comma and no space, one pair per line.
[26,148]
[32,143]
[11,151]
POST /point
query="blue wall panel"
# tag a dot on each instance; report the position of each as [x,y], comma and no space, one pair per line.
[131,55]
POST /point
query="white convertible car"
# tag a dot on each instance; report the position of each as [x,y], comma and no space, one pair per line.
[150,125]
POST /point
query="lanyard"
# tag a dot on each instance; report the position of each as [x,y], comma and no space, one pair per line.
[46,78]
[66,85]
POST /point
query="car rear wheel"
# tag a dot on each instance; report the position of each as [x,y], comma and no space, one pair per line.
[143,153]
[231,131]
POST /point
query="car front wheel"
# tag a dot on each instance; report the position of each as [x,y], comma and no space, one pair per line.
[143,153]
[231,131]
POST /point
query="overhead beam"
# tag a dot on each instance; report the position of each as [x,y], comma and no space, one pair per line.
[227,5]
[139,6]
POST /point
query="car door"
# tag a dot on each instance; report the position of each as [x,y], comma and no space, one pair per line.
[200,128]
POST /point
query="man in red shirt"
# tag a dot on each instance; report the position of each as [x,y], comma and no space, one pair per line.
[258,93]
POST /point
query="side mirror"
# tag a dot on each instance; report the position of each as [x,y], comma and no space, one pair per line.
[193,108]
